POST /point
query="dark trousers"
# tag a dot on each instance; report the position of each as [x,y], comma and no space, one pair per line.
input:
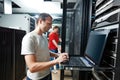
[48,77]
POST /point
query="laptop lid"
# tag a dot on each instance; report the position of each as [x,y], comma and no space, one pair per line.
[95,46]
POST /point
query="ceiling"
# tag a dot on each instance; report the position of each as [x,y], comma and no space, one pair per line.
[33,7]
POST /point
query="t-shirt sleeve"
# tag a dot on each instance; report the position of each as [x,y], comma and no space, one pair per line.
[52,37]
[27,46]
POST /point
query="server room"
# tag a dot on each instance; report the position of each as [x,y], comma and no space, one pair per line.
[59,40]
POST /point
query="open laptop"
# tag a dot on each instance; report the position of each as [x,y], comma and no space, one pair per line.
[94,50]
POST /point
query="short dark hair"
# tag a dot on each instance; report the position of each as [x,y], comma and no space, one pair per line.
[43,16]
[55,27]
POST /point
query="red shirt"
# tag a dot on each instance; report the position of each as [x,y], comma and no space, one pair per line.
[53,36]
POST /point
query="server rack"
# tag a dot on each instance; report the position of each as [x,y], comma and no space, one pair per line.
[81,23]
[107,16]
[12,63]
[18,21]
[78,25]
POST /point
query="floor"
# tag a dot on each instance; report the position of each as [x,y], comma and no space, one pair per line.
[56,76]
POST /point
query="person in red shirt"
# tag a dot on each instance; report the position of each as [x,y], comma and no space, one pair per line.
[53,43]
[54,40]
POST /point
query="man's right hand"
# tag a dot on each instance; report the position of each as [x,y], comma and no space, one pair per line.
[62,57]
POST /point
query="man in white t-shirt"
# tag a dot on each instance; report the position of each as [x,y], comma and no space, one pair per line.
[36,52]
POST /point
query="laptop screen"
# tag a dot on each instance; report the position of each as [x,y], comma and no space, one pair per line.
[95,46]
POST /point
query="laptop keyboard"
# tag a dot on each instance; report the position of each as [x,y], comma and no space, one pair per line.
[74,62]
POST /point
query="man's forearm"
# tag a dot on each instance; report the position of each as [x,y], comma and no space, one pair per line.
[52,54]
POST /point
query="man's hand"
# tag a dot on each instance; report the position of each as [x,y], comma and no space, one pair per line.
[62,57]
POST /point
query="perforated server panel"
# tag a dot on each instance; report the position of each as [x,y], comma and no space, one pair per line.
[103,6]
[18,21]
[107,12]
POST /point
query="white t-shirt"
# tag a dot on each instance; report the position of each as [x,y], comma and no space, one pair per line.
[33,43]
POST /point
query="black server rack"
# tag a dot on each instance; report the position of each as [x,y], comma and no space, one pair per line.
[6,54]
[107,16]
[78,25]
[19,62]
[12,63]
